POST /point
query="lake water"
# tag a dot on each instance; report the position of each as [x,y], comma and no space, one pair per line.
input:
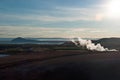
[46,39]
[50,41]
[3,55]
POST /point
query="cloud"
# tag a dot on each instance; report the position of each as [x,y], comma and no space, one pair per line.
[46,18]
[23,31]
[58,14]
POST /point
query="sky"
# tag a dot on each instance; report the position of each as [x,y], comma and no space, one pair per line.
[59,18]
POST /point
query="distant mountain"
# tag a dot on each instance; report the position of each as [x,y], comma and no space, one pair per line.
[112,43]
[109,42]
[20,39]
[68,43]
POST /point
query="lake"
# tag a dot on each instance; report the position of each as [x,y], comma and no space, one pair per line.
[3,55]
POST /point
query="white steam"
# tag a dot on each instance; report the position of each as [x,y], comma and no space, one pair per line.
[89,45]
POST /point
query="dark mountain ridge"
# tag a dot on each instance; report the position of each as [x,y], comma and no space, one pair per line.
[111,43]
[20,39]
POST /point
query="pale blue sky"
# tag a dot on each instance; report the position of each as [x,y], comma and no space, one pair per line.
[56,18]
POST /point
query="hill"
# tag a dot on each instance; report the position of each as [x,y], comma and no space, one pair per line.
[109,42]
[20,39]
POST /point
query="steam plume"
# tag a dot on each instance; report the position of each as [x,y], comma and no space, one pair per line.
[89,45]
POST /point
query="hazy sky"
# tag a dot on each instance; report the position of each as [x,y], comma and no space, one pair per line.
[59,18]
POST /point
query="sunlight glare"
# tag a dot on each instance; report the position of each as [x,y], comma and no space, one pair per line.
[113,9]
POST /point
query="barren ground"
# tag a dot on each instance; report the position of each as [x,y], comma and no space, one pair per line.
[61,65]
